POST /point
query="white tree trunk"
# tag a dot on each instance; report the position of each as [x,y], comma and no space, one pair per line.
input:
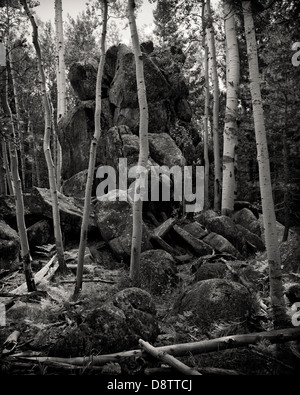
[216,100]
[46,146]
[206,116]
[230,128]
[93,152]
[144,150]
[269,219]
[17,183]
[61,83]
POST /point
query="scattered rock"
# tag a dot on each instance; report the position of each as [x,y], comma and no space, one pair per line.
[114,219]
[210,270]
[113,327]
[39,203]
[204,216]
[220,244]
[248,220]
[9,247]
[215,300]
[158,272]
[164,151]
[199,247]
[239,205]
[196,230]
[40,233]
[253,239]
[75,186]
[225,227]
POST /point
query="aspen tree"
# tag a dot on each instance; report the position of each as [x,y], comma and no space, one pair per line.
[61,83]
[20,216]
[269,218]
[210,34]
[93,152]
[206,113]
[144,150]
[230,127]
[46,145]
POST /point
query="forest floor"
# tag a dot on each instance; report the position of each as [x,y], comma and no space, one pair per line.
[47,309]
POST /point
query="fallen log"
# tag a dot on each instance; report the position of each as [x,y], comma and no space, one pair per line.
[88,280]
[184,349]
[168,359]
[167,371]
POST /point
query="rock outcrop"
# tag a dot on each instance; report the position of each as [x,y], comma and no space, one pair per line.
[9,247]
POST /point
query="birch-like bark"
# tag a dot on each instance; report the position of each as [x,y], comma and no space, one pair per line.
[144,150]
[61,84]
[93,152]
[8,175]
[269,219]
[230,128]
[3,184]
[20,215]
[36,165]
[46,145]
[19,132]
[206,115]
[210,34]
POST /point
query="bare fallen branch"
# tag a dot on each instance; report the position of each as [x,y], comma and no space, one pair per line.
[169,359]
[184,349]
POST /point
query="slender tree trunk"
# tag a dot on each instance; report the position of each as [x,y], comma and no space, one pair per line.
[92,158]
[46,146]
[7,169]
[19,132]
[144,150]
[216,107]
[230,128]
[286,174]
[3,184]
[36,164]
[206,115]
[25,252]
[269,219]
[61,83]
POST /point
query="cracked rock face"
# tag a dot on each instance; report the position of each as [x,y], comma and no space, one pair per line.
[167,98]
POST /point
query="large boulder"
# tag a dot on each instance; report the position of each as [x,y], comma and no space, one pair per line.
[225,227]
[40,233]
[39,203]
[220,244]
[75,134]
[213,301]
[197,246]
[115,326]
[83,78]
[9,247]
[210,270]
[158,272]
[75,186]
[123,92]
[113,214]
[248,220]
[164,151]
